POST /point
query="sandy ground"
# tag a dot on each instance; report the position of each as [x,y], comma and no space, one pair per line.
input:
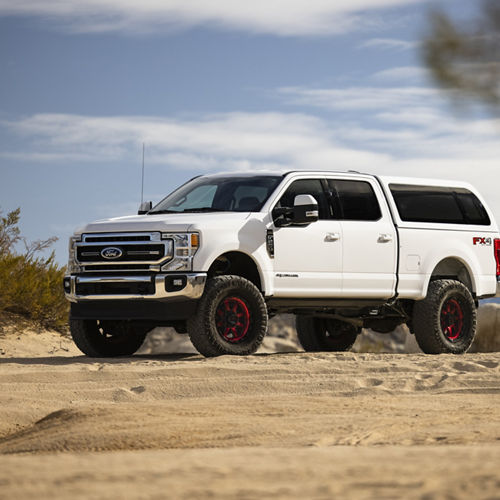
[290,425]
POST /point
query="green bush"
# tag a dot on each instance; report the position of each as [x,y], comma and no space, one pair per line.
[30,284]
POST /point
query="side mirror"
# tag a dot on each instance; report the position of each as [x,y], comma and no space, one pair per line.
[305,209]
[145,207]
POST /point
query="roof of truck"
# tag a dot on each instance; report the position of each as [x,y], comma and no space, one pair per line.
[385,179]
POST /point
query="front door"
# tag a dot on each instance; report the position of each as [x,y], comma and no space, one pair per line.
[308,259]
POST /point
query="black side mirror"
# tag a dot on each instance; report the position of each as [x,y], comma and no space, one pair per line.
[305,209]
[145,207]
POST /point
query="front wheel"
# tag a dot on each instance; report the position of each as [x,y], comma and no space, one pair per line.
[320,334]
[99,338]
[445,321]
[231,318]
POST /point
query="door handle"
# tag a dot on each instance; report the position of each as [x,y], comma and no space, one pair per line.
[332,237]
[384,238]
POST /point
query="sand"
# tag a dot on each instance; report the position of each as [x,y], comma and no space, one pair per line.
[288,425]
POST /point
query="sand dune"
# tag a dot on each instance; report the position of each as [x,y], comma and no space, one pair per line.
[315,425]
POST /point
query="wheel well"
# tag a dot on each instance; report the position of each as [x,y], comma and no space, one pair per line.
[236,263]
[453,269]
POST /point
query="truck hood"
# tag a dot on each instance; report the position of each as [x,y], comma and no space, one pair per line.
[162,222]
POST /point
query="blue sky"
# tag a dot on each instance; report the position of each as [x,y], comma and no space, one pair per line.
[217,85]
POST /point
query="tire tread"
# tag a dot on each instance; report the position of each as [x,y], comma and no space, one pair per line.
[205,338]
[426,321]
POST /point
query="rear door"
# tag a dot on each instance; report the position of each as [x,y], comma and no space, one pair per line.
[368,238]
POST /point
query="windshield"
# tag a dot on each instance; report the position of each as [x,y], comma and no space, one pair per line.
[219,194]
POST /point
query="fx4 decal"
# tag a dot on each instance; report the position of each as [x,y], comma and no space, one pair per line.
[478,240]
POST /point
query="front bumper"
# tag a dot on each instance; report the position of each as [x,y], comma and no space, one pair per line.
[156,287]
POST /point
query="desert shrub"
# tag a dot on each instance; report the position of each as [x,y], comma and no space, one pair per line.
[30,284]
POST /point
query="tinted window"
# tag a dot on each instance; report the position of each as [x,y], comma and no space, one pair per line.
[356,200]
[473,209]
[438,204]
[306,186]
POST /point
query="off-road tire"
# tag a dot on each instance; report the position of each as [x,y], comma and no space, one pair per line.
[231,318]
[320,334]
[102,339]
[445,321]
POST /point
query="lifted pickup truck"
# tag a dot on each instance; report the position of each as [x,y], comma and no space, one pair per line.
[340,250]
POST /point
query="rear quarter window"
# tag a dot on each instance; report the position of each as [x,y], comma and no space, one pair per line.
[437,204]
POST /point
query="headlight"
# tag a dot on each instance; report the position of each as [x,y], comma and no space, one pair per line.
[73,267]
[185,246]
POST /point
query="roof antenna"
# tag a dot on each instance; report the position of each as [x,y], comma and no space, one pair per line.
[142,186]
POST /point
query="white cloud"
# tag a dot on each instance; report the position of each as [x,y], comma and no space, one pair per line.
[402,73]
[389,44]
[358,98]
[278,17]
[407,127]
[226,141]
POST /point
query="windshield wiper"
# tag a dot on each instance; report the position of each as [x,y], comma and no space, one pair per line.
[164,212]
[187,210]
[203,209]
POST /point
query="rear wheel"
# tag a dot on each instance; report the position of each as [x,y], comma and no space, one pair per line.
[99,338]
[319,334]
[231,318]
[445,321]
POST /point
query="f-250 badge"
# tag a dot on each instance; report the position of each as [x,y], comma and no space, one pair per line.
[478,240]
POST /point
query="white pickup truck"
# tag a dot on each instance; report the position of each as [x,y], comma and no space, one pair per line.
[340,250]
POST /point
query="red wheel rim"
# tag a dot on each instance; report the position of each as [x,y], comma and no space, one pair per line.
[232,319]
[452,319]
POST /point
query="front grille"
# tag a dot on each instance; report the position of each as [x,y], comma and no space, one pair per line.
[123,252]
[129,252]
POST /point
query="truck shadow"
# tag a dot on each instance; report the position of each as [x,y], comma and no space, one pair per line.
[85,360]
[167,358]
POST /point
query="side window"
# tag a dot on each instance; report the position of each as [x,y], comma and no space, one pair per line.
[306,186]
[438,204]
[356,200]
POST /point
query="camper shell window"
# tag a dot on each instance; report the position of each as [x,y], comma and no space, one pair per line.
[438,204]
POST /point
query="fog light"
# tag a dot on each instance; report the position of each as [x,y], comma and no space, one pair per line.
[67,285]
[175,283]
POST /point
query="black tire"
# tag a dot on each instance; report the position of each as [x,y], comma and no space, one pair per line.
[320,334]
[231,318]
[445,321]
[101,339]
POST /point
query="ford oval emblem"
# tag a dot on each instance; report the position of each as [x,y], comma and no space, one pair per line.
[111,253]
